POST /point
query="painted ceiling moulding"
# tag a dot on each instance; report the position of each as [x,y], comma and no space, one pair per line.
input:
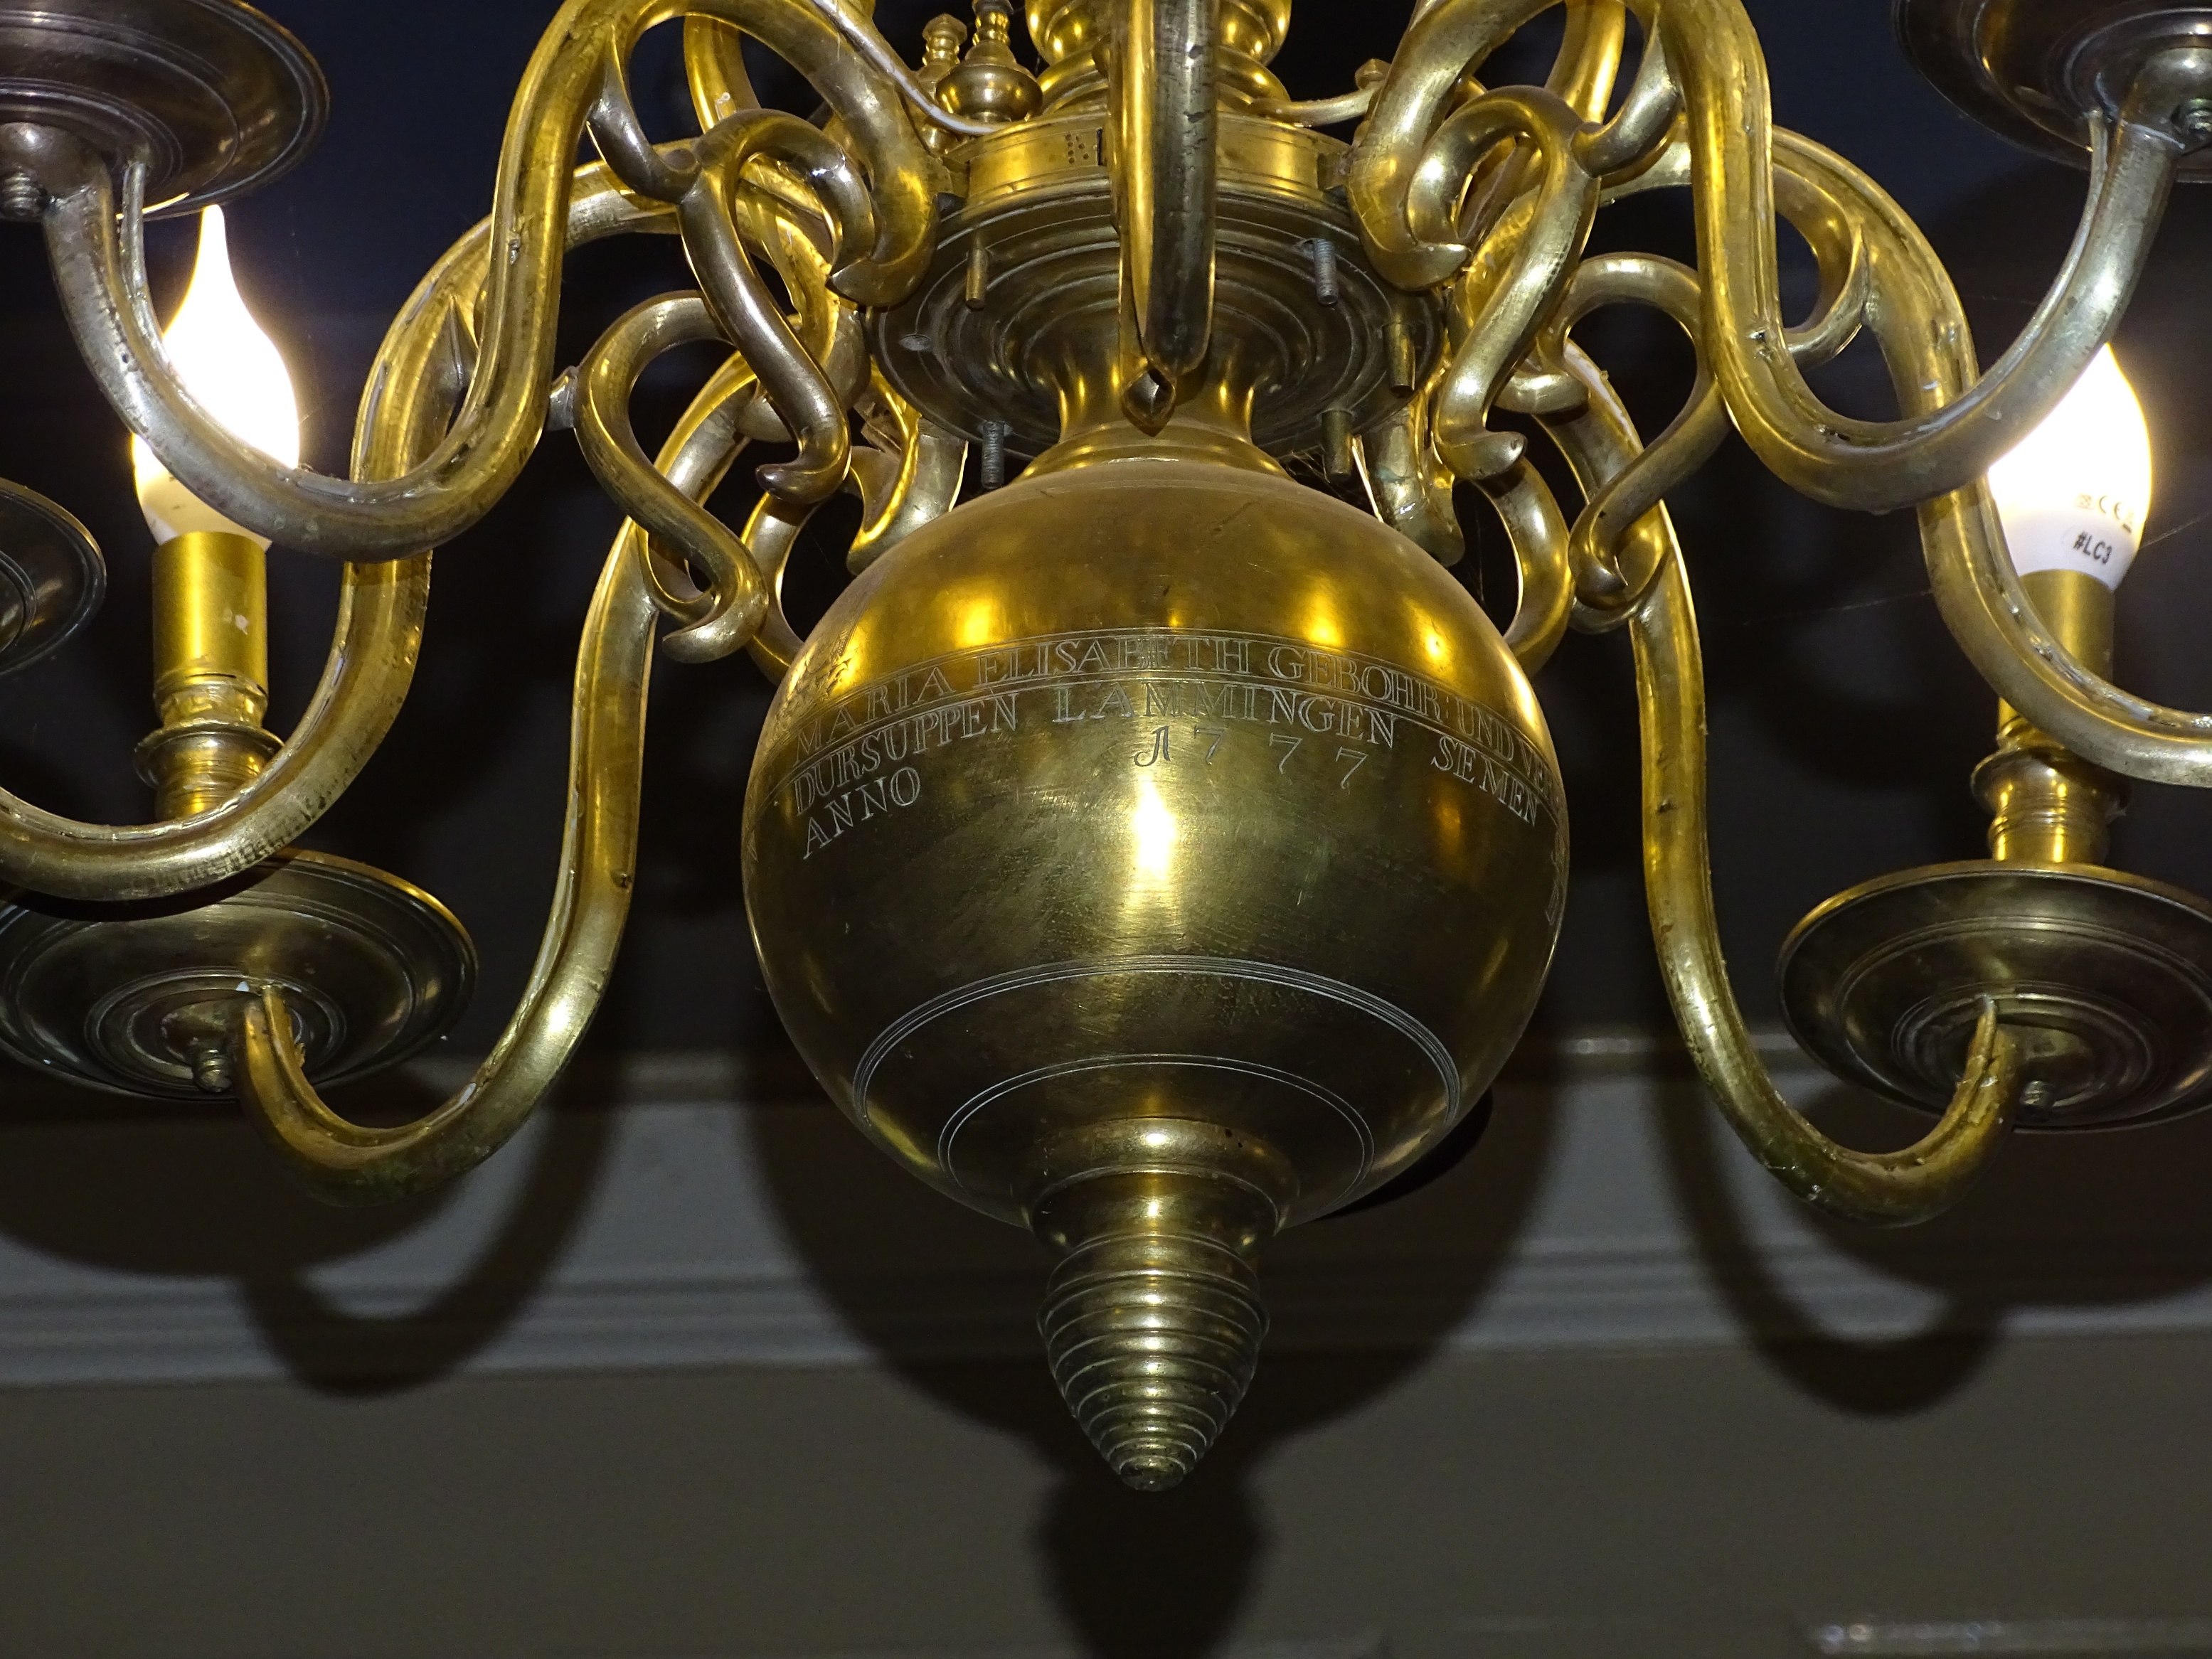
[693,1210]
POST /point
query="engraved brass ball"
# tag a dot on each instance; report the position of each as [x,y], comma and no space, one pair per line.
[1155,818]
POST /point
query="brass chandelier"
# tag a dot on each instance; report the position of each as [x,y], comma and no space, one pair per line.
[1152,850]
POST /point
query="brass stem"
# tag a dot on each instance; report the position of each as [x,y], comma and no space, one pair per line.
[2048,805]
[210,671]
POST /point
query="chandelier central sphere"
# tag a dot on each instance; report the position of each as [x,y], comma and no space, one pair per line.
[1154,846]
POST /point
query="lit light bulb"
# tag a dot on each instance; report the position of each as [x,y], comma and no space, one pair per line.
[237,374]
[2074,493]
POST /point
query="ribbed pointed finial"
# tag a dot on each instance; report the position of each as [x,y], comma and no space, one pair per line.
[1153,1319]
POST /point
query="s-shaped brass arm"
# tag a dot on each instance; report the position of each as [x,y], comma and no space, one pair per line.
[349,1164]
[1879,1188]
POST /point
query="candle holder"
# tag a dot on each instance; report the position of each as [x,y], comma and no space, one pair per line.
[2103,979]
[51,577]
[215,98]
[2043,73]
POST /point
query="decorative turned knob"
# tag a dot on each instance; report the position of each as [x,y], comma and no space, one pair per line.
[990,85]
[1152,1320]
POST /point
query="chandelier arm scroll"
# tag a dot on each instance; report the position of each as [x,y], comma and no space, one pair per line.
[1876,1188]
[932,463]
[860,32]
[1915,314]
[413,388]
[1539,534]
[503,414]
[1409,487]
[797,385]
[736,597]
[1161,77]
[1938,446]
[1883,1189]
[349,1164]
[344,1163]
[1514,280]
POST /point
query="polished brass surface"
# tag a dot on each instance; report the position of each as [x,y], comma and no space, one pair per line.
[1153,852]
[51,577]
[131,998]
[1155,796]
[210,673]
[2103,979]
[216,98]
[1040,203]
[2038,72]
[989,84]
[2047,806]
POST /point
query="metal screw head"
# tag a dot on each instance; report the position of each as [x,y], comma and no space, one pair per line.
[2194,120]
[21,197]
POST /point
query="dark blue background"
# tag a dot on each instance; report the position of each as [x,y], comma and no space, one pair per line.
[1844,723]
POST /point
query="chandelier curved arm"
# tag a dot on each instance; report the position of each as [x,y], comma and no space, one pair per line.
[98,269]
[1538,532]
[1936,447]
[413,387]
[1916,314]
[933,462]
[797,385]
[1408,484]
[1885,1188]
[347,1162]
[1981,600]
[1712,56]
[1877,1189]
[1444,39]
[1514,279]
[1643,124]
[861,32]
[729,609]
[1161,73]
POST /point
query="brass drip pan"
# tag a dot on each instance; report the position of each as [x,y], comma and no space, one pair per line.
[2105,978]
[2032,70]
[218,98]
[51,577]
[118,996]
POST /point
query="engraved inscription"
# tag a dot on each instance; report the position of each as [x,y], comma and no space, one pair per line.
[1185,696]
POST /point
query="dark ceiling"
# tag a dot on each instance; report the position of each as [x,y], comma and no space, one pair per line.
[1844,723]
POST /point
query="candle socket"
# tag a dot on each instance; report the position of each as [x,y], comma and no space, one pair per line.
[2047,804]
[210,673]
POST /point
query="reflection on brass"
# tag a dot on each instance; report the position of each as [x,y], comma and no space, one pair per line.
[51,577]
[1152,850]
[2104,980]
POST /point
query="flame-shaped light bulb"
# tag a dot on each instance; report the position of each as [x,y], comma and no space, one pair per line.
[226,361]
[2073,495]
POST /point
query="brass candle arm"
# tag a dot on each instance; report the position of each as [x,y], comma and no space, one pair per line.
[1077,772]
[99,271]
[349,1164]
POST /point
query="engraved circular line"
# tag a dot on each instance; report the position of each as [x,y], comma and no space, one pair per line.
[1333,990]
[1305,1085]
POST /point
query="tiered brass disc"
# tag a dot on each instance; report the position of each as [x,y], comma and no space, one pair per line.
[216,97]
[51,577]
[2032,70]
[134,997]
[2103,979]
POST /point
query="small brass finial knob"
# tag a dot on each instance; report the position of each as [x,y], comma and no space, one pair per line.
[941,39]
[990,85]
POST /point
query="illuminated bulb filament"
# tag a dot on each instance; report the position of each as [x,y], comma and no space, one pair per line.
[2074,493]
[235,372]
